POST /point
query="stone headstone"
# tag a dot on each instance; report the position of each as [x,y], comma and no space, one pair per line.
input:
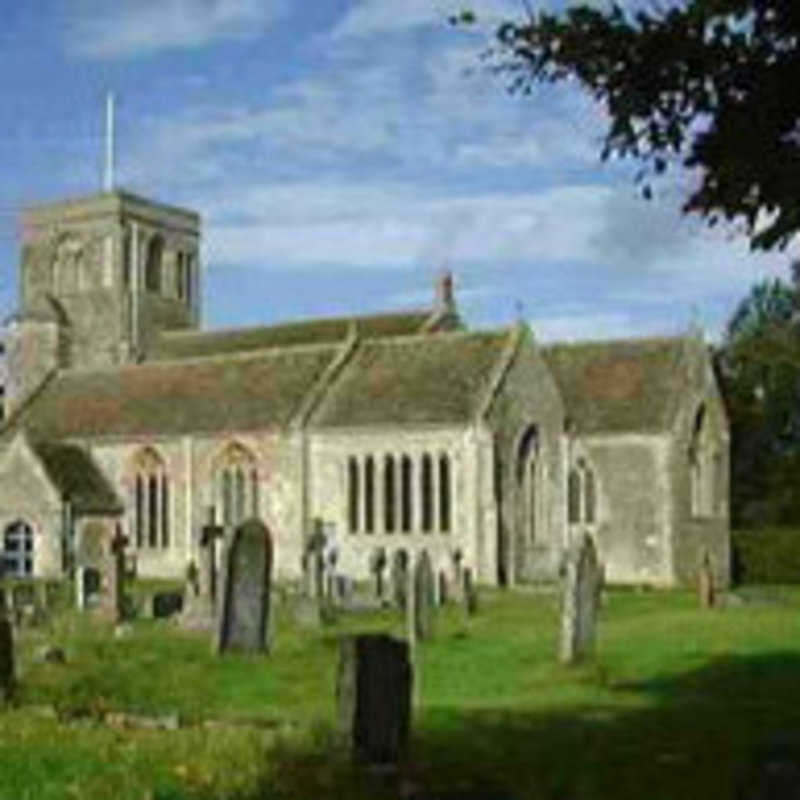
[243,616]
[424,597]
[705,581]
[373,694]
[581,597]
[6,659]
[469,593]
[399,579]
[377,566]
[165,604]
[111,595]
[458,575]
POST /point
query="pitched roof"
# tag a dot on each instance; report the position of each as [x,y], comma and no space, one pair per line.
[188,344]
[238,392]
[428,379]
[615,386]
[77,478]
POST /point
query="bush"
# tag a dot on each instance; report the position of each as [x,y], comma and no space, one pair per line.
[765,555]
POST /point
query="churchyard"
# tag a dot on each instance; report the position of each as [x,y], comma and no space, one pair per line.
[677,700]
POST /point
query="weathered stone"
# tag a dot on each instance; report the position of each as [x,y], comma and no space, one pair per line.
[399,579]
[6,659]
[469,593]
[306,612]
[424,597]
[50,654]
[705,580]
[165,604]
[373,693]
[112,592]
[243,619]
[442,589]
[199,600]
[581,595]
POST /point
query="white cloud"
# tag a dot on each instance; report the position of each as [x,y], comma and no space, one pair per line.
[111,30]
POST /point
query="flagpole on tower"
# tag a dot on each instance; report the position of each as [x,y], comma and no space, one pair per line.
[108,178]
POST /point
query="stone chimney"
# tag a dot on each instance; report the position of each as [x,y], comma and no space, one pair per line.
[444,290]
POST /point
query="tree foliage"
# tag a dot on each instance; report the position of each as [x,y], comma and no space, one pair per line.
[711,85]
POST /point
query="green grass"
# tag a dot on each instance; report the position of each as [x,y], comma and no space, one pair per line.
[679,703]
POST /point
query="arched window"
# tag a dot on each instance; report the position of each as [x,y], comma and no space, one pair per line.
[369,495]
[573,496]
[701,468]
[180,276]
[18,550]
[151,502]
[530,494]
[589,495]
[152,268]
[352,493]
[426,492]
[389,498]
[236,482]
[445,511]
[406,493]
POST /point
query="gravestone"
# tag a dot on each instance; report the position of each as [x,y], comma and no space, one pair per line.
[581,596]
[111,595]
[377,566]
[373,696]
[243,615]
[705,587]
[424,597]
[469,593]
[6,658]
[399,578]
[458,576]
[443,589]
[199,602]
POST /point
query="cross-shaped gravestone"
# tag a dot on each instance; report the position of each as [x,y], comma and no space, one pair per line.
[200,600]
[111,605]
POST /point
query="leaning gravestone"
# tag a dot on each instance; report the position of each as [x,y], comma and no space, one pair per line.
[6,658]
[424,597]
[705,587]
[243,614]
[373,694]
[581,596]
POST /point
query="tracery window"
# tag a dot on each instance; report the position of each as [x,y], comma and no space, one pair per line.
[18,550]
[236,484]
[151,503]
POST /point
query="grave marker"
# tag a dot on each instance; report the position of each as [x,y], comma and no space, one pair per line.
[244,601]
[111,596]
[373,694]
[470,593]
[424,597]
[581,596]
[200,594]
[706,591]
[399,578]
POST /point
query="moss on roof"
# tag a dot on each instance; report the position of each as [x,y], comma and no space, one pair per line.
[616,386]
[241,392]
[77,478]
[188,344]
[434,378]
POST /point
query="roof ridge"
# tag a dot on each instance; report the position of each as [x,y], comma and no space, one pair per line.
[430,336]
[617,341]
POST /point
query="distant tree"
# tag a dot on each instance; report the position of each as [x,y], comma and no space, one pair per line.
[709,84]
[759,369]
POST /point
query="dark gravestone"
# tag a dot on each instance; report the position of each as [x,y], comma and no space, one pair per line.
[399,578]
[165,604]
[424,597]
[243,619]
[6,658]
[377,566]
[705,583]
[470,593]
[581,598]
[111,595]
[373,694]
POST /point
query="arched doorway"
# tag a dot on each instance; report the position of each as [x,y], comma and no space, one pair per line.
[18,550]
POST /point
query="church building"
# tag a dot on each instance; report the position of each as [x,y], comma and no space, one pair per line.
[392,432]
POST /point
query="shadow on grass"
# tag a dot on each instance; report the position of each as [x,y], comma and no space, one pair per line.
[728,730]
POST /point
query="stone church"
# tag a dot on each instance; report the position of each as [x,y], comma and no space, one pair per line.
[398,431]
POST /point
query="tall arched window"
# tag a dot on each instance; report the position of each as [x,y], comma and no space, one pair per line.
[389,499]
[426,492]
[530,495]
[406,494]
[573,496]
[152,268]
[701,468]
[236,485]
[151,501]
[589,495]
[369,494]
[445,511]
[352,493]
[18,550]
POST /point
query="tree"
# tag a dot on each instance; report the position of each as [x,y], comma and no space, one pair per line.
[711,85]
[758,365]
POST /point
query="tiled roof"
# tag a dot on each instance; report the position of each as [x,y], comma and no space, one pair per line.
[77,478]
[615,386]
[188,344]
[240,392]
[428,379]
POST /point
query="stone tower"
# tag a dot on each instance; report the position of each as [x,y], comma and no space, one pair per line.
[100,277]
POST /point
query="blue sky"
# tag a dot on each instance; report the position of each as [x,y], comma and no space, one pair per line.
[341,153]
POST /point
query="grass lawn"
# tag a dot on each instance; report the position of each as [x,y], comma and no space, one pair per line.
[679,703]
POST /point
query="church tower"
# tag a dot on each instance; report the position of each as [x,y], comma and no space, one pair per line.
[100,278]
